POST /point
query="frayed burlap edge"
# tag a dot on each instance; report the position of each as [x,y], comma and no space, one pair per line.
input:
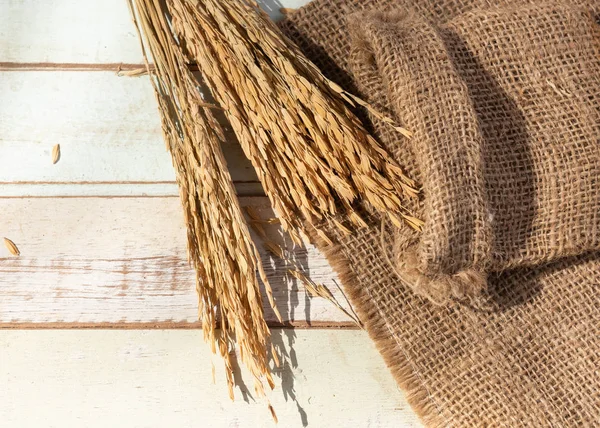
[443,287]
[381,334]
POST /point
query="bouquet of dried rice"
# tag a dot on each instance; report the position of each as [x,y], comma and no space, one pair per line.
[311,153]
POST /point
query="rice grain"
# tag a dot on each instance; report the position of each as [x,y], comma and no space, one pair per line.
[11,246]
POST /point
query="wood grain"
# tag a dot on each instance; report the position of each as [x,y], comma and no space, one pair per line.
[163,378]
[123,260]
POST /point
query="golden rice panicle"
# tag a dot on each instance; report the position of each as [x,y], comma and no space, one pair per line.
[311,153]
[219,243]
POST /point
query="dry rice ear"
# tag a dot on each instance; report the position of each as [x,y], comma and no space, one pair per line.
[311,153]
[219,243]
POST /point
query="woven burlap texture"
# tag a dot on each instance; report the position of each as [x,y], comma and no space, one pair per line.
[508,181]
[525,351]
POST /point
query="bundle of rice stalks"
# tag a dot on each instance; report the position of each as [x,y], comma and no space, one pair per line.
[308,148]
[219,243]
[311,153]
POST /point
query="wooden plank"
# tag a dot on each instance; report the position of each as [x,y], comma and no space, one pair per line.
[64,33]
[163,378]
[124,260]
[108,128]
[99,31]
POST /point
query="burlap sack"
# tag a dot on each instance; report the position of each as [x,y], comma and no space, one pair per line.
[526,351]
[505,136]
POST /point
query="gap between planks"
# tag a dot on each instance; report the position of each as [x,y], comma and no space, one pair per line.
[148,189]
[165,325]
[67,66]
[71,66]
[105,182]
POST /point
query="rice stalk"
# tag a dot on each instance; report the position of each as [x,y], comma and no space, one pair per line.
[219,242]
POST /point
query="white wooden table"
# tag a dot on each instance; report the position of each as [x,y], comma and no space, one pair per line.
[98,315]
